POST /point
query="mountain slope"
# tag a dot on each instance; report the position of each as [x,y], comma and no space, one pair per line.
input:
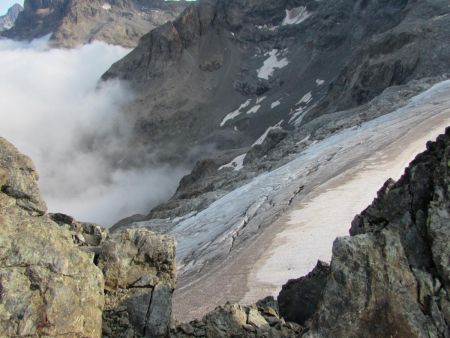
[225,71]
[7,21]
[76,22]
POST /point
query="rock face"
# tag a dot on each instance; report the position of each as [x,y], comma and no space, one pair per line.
[48,286]
[139,270]
[76,22]
[63,278]
[299,298]
[259,320]
[18,179]
[7,21]
[391,277]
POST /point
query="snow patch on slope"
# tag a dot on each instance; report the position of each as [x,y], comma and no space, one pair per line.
[299,113]
[235,113]
[296,15]
[236,164]
[272,63]
[254,109]
[275,104]
[262,138]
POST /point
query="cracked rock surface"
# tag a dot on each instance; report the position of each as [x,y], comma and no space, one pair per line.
[48,287]
[63,278]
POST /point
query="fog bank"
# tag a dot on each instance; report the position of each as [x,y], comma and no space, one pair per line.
[53,109]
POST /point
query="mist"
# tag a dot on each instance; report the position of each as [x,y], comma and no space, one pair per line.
[54,109]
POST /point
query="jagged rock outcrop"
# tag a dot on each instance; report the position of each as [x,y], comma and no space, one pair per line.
[7,21]
[391,277]
[73,23]
[231,320]
[48,286]
[18,178]
[139,270]
[83,233]
[298,299]
[64,278]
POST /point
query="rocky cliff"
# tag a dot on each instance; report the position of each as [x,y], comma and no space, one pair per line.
[7,21]
[76,22]
[63,278]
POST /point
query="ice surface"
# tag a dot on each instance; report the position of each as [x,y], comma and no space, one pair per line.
[211,233]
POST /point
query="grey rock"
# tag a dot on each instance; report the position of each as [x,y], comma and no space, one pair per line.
[7,21]
[258,151]
[391,276]
[232,320]
[19,179]
[299,298]
[139,270]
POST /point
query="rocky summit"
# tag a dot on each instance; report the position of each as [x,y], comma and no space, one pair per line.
[8,20]
[73,23]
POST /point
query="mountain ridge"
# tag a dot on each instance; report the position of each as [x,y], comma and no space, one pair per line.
[8,20]
[72,23]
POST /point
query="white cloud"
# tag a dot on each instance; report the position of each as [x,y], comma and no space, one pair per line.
[53,108]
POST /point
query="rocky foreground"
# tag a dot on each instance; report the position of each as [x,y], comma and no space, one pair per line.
[63,278]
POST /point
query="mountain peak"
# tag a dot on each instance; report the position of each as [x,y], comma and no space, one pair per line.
[72,23]
[7,21]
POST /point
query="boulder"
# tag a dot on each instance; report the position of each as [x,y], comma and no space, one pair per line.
[140,274]
[18,179]
[233,320]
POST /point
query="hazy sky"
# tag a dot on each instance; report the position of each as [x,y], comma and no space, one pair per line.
[5,4]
